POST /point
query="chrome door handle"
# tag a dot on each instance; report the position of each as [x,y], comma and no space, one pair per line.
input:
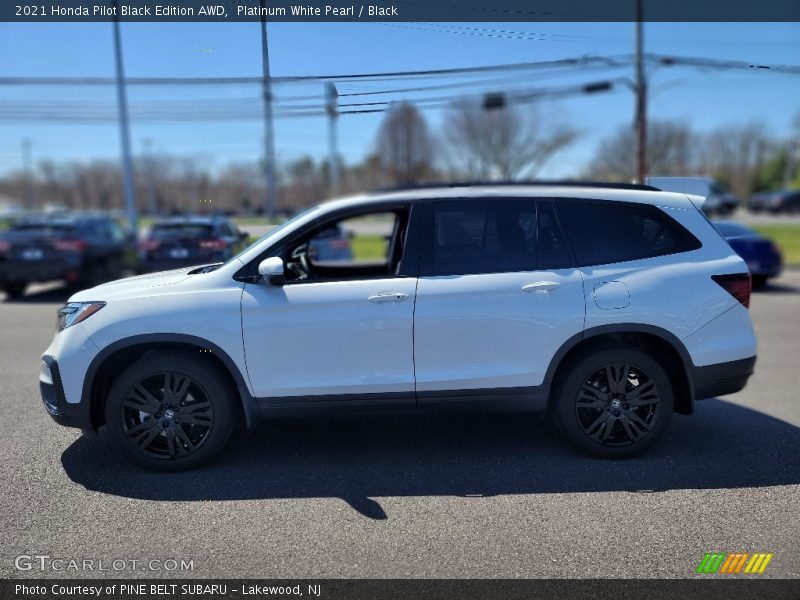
[541,286]
[388,297]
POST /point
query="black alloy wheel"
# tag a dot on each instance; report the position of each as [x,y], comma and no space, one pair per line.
[167,415]
[613,401]
[618,405]
[171,410]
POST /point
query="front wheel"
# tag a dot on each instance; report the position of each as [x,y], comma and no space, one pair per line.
[170,411]
[614,402]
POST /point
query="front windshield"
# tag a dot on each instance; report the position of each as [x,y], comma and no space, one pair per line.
[274,231]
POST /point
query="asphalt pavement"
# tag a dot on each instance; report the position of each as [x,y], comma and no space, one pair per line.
[408,496]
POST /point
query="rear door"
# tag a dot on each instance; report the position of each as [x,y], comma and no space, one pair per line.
[497,296]
[640,266]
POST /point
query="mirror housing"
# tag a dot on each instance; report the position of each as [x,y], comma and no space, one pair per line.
[271,270]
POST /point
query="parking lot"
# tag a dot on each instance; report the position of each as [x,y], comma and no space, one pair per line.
[412,496]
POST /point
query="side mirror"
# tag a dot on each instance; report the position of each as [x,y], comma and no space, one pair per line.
[271,269]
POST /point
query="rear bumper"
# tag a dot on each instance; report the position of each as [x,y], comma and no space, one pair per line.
[55,403]
[46,270]
[722,378]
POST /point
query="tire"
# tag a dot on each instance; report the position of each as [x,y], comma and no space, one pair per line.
[171,433]
[610,425]
[15,289]
[759,281]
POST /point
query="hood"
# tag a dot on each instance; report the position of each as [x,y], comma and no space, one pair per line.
[133,286]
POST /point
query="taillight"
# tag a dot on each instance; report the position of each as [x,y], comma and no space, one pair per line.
[212,244]
[69,245]
[147,245]
[737,285]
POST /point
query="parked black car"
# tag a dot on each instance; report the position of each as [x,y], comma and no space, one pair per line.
[785,201]
[188,241]
[80,249]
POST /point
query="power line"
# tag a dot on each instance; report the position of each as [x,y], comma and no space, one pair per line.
[713,63]
[376,76]
[96,114]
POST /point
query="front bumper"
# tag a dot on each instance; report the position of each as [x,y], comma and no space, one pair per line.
[722,378]
[55,403]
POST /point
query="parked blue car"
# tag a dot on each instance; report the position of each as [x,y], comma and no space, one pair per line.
[762,255]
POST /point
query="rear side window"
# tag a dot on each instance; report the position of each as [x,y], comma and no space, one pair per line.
[610,232]
[492,236]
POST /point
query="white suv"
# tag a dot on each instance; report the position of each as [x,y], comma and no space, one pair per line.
[609,306]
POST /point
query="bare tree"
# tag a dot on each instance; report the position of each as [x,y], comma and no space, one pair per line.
[670,151]
[504,143]
[734,153]
[404,145]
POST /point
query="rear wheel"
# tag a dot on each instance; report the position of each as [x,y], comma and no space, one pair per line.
[613,402]
[171,411]
[15,289]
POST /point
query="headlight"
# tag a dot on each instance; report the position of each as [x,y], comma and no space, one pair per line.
[75,312]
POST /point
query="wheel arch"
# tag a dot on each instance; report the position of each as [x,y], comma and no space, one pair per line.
[110,361]
[658,342]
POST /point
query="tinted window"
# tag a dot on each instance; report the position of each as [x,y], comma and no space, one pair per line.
[181,231]
[609,232]
[43,229]
[493,236]
[117,234]
[552,247]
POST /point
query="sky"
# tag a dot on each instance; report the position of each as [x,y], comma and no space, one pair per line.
[703,99]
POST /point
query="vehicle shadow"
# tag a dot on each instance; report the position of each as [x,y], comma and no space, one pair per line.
[359,458]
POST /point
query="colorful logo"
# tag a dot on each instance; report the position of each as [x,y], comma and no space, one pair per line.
[734,562]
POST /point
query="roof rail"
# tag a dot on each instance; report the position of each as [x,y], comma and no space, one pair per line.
[538,182]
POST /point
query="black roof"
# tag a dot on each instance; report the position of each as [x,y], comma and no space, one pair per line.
[538,182]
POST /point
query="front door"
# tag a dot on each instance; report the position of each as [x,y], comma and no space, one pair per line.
[340,330]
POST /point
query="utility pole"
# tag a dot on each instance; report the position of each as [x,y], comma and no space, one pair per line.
[124,130]
[269,135]
[332,108]
[641,99]
[791,149]
[27,162]
[147,145]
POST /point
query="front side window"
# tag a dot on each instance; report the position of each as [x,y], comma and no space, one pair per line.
[604,232]
[357,247]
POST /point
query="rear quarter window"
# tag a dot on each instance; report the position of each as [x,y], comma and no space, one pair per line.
[604,232]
